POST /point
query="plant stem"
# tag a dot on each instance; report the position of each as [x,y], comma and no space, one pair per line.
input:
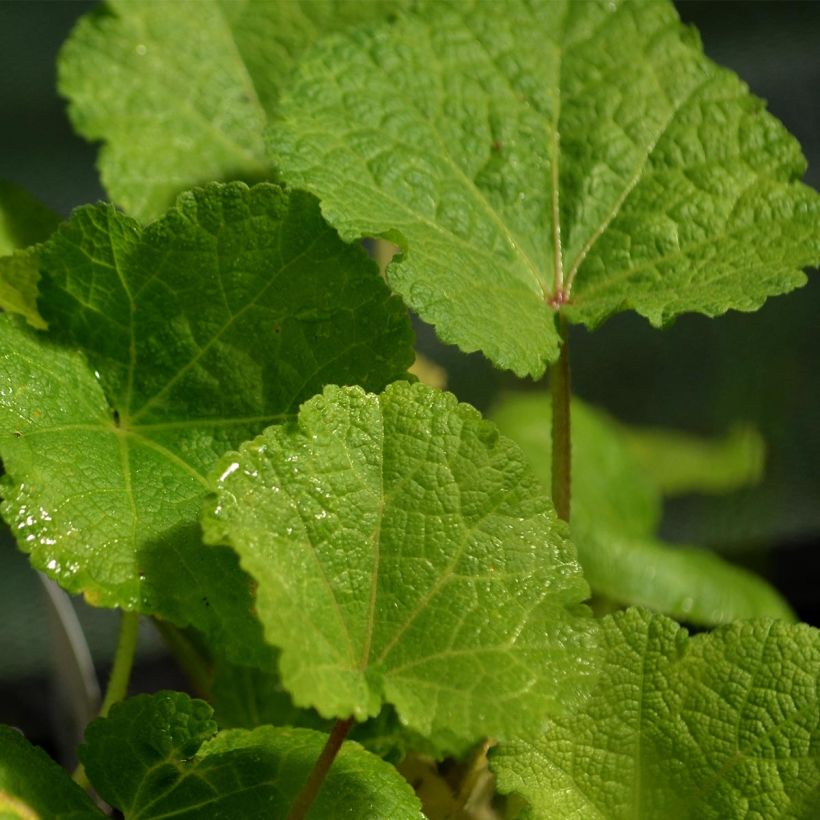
[322,766]
[190,660]
[123,661]
[120,675]
[561,443]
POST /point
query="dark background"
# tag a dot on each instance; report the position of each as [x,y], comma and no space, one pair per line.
[701,375]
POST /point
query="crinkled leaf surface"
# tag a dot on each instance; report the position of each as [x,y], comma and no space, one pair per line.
[24,221]
[160,756]
[180,98]
[32,785]
[534,153]
[617,509]
[168,346]
[719,726]
[405,553]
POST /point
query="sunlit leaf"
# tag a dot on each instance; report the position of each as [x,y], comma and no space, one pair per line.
[533,155]
[404,553]
[721,726]
[168,346]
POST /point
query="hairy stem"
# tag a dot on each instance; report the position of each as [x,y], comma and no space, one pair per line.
[120,675]
[561,444]
[320,769]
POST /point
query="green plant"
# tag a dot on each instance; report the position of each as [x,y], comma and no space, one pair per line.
[375,560]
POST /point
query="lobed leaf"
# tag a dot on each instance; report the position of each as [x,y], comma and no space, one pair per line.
[722,725]
[168,346]
[404,553]
[533,155]
[182,97]
[32,785]
[617,510]
[160,755]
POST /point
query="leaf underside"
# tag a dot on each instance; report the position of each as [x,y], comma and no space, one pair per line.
[180,98]
[160,755]
[617,509]
[405,554]
[720,726]
[168,346]
[534,154]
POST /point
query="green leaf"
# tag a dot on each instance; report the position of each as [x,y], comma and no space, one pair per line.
[178,342]
[404,553]
[160,755]
[529,156]
[617,509]
[681,463]
[32,785]
[180,99]
[722,725]
[24,221]
[246,697]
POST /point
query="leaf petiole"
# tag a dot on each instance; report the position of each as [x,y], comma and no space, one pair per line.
[308,793]
[561,441]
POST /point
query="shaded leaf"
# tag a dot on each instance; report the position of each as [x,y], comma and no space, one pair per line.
[405,554]
[177,342]
[245,697]
[722,725]
[535,155]
[32,785]
[182,98]
[616,513]
[24,222]
[160,755]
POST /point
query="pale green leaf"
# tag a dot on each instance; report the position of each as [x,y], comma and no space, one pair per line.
[681,463]
[33,786]
[404,553]
[720,726]
[616,510]
[24,222]
[178,342]
[536,154]
[181,94]
[160,755]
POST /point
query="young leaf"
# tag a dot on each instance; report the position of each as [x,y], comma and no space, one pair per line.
[722,725]
[177,343]
[535,156]
[616,512]
[32,785]
[182,98]
[160,755]
[404,553]
[24,221]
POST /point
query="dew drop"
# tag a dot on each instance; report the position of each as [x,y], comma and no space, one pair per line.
[232,468]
